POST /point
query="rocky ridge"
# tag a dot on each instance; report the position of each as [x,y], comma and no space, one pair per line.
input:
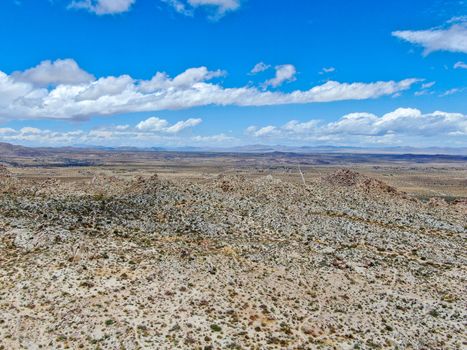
[342,262]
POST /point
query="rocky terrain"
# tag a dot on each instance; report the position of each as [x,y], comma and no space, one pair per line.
[344,261]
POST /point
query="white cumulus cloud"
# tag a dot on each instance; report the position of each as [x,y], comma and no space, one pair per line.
[326,70]
[265,131]
[103,7]
[219,7]
[428,85]
[183,124]
[222,5]
[56,72]
[284,73]
[154,124]
[460,65]
[451,92]
[452,38]
[218,138]
[260,67]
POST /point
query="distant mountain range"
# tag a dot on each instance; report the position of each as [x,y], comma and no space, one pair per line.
[259,148]
[10,150]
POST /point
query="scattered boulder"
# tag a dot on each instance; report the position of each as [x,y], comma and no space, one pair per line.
[437,202]
[460,204]
[4,172]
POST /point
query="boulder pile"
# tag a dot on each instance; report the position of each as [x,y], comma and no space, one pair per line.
[350,178]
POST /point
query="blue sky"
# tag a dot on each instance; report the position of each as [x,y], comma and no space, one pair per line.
[233,72]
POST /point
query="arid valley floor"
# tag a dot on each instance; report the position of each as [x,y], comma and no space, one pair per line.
[201,251]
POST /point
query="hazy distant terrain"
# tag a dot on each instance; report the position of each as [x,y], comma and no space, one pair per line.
[423,175]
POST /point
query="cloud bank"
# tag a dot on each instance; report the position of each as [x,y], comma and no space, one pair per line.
[151,131]
[403,125]
[76,94]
